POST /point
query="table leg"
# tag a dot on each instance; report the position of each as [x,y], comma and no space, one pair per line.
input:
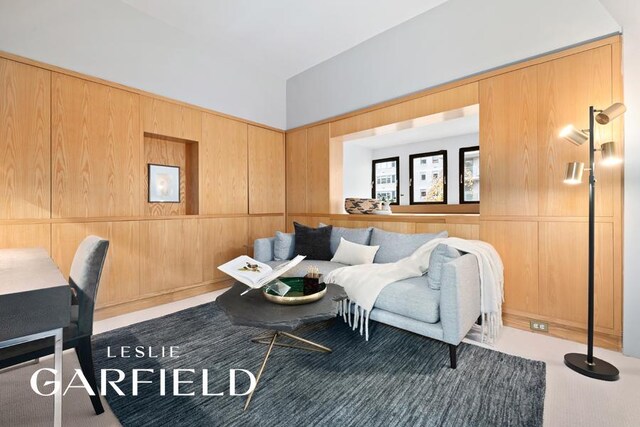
[57,402]
[264,363]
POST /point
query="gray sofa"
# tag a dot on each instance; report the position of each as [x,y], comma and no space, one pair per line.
[446,314]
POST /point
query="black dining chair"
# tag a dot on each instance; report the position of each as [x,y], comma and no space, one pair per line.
[84,279]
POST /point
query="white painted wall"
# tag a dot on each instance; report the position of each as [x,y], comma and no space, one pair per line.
[357,164]
[454,40]
[114,41]
[356,178]
[627,13]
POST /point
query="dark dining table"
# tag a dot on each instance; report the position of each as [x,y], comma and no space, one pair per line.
[35,303]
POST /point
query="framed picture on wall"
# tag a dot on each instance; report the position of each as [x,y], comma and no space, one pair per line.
[164,184]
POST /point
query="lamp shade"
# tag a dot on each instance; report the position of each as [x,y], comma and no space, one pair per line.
[610,113]
[573,174]
[574,135]
[609,156]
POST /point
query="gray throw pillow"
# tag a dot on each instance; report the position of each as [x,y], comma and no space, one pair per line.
[361,236]
[441,255]
[395,246]
[283,246]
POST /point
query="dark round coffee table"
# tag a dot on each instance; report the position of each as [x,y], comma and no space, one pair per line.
[252,309]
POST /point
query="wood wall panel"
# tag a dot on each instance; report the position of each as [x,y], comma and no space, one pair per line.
[224,166]
[563,272]
[96,150]
[438,102]
[509,146]
[266,171]
[463,231]
[318,167]
[165,118]
[296,167]
[171,255]
[25,236]
[25,155]
[517,244]
[223,240]
[120,280]
[264,226]
[170,153]
[567,88]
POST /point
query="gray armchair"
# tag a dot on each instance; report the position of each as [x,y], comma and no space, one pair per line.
[84,279]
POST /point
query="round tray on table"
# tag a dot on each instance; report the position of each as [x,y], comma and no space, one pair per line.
[296,295]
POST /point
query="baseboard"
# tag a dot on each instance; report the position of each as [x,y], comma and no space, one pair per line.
[158,299]
[600,339]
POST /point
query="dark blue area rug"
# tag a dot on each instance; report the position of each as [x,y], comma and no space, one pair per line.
[397,378]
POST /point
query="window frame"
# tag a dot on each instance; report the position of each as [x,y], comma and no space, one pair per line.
[374,181]
[461,154]
[445,163]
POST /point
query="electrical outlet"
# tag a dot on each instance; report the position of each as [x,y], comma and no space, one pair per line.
[538,326]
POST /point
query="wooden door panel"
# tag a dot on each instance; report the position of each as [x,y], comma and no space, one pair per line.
[224,166]
[266,171]
[96,150]
[508,144]
[25,153]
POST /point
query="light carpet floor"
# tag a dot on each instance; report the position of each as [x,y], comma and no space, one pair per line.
[571,400]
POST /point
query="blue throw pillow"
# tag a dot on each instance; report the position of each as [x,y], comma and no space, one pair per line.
[361,236]
[395,246]
[441,255]
[284,246]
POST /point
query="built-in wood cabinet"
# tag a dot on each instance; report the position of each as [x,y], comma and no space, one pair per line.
[120,280]
[535,221]
[25,170]
[170,254]
[224,166]
[567,87]
[75,155]
[165,118]
[266,171]
[226,239]
[297,173]
[509,143]
[95,150]
[308,170]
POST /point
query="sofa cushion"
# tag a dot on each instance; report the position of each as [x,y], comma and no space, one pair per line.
[441,255]
[411,298]
[300,270]
[283,246]
[361,236]
[395,246]
[354,254]
[314,243]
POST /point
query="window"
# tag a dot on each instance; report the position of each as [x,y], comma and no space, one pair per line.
[428,178]
[469,181]
[385,182]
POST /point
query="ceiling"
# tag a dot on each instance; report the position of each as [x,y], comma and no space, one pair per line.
[283,37]
[465,125]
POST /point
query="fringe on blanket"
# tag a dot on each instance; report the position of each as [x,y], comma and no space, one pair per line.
[359,319]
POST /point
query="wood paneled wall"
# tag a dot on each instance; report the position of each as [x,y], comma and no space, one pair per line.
[537,224]
[74,162]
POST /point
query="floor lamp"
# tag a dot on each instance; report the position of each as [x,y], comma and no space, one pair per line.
[586,364]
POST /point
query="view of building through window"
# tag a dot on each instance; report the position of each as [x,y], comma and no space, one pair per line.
[428,177]
[470,174]
[385,183]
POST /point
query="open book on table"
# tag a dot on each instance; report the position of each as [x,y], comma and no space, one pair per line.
[256,274]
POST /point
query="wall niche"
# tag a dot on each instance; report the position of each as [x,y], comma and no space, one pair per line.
[170,151]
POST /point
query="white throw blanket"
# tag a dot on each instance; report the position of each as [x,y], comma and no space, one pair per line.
[363,283]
